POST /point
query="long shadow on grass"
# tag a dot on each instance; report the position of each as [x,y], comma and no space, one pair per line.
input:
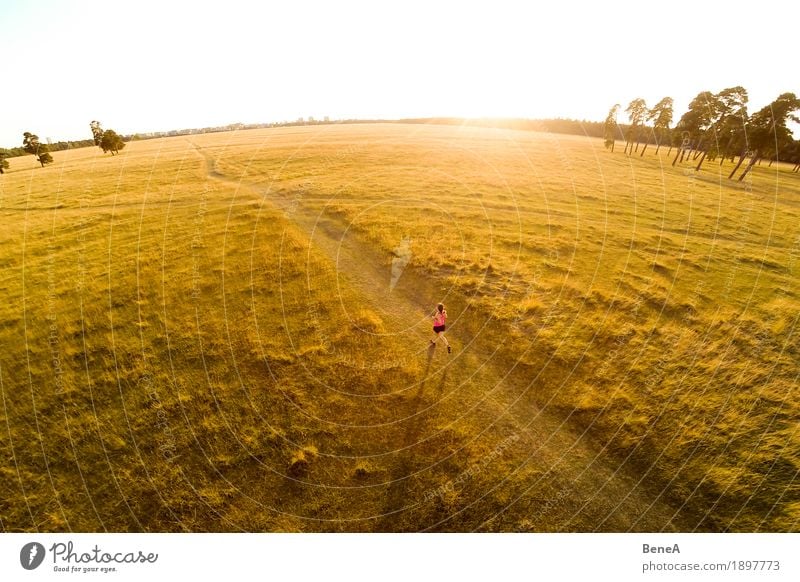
[397,495]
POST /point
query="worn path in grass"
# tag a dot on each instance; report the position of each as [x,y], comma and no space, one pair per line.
[553,478]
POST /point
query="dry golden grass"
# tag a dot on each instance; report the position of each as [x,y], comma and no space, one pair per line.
[183,351]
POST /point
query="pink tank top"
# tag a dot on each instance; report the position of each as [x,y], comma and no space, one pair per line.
[439,319]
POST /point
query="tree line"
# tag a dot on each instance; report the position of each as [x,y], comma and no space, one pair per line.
[54,147]
[716,125]
[108,140]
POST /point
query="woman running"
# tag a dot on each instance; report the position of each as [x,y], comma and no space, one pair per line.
[439,319]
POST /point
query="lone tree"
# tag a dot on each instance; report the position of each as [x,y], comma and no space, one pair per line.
[31,144]
[610,127]
[108,140]
[111,142]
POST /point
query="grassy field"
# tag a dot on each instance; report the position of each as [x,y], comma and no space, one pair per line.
[229,332]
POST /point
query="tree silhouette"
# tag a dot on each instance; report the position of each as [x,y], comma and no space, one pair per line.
[610,127]
[32,145]
[792,154]
[111,142]
[731,125]
[636,110]
[767,130]
[694,124]
[97,132]
[108,140]
[661,116]
[709,138]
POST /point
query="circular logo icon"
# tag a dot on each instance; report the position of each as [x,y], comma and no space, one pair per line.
[31,555]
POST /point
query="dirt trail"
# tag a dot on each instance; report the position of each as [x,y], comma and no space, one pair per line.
[562,479]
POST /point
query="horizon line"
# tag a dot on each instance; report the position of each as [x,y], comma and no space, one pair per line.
[311,120]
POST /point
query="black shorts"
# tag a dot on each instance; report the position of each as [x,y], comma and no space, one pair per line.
[438,328]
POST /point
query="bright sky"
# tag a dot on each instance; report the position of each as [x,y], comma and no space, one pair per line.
[144,65]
